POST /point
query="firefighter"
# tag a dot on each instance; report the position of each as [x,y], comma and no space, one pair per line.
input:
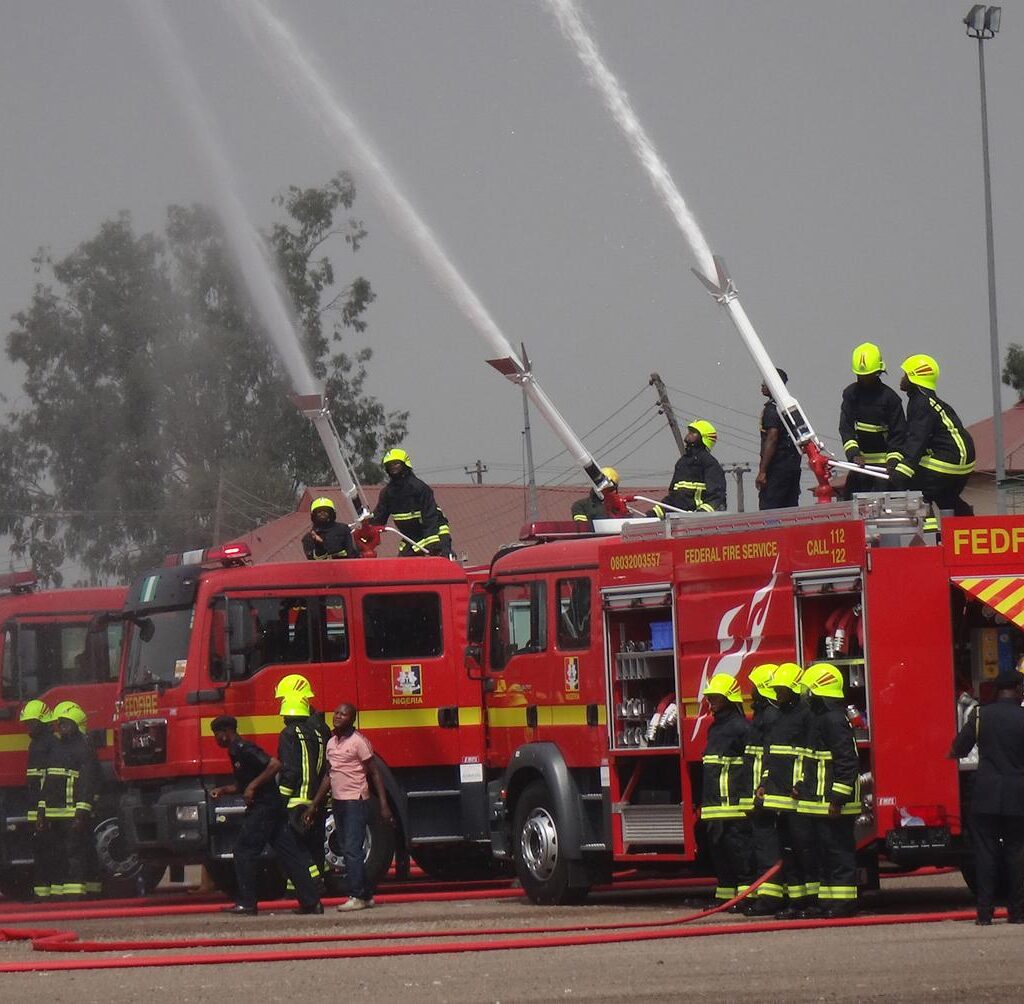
[938,452]
[765,841]
[66,805]
[785,739]
[778,473]
[410,503]
[830,790]
[698,482]
[872,425]
[265,822]
[38,721]
[328,538]
[722,809]
[997,799]
[591,507]
[301,748]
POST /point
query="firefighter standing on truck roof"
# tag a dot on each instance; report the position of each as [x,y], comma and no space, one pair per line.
[785,741]
[997,799]
[698,482]
[66,804]
[872,425]
[301,748]
[328,538]
[765,840]
[938,452]
[830,790]
[410,503]
[722,790]
[265,821]
[592,506]
[778,473]
[39,724]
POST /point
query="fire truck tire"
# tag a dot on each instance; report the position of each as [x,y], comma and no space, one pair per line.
[459,863]
[378,851]
[121,872]
[541,866]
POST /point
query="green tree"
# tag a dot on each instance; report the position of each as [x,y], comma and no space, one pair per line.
[1013,369]
[155,405]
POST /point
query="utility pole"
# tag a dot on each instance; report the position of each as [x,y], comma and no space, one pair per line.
[478,470]
[218,510]
[533,505]
[737,471]
[665,406]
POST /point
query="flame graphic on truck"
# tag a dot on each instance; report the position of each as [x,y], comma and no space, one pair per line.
[740,632]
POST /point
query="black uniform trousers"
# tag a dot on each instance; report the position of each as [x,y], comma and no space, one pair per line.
[987,831]
[838,849]
[47,872]
[765,835]
[729,841]
[266,823]
[782,490]
[942,489]
[74,869]
[800,874]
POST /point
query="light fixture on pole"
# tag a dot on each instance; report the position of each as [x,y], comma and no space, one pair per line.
[982,23]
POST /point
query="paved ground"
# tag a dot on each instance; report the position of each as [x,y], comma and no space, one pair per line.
[907,962]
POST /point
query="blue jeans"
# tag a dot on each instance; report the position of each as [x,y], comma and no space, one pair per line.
[350,819]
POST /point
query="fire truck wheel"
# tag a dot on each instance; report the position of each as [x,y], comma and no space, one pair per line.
[542,870]
[120,869]
[378,851]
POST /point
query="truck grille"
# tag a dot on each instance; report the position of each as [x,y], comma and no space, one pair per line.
[652,824]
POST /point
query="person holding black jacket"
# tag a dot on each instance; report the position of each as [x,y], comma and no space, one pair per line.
[997,800]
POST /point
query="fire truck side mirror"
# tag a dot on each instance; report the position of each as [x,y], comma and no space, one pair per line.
[473,661]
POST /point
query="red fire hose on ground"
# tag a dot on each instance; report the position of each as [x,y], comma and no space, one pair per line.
[51,940]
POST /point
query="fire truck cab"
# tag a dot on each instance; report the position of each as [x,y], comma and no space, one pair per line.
[386,635]
[55,649]
[594,654]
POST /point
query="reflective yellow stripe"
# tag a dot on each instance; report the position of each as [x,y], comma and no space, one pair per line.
[722,812]
[944,467]
[874,458]
[851,444]
[869,427]
[547,715]
[580,518]
[14,743]
[406,516]
[392,718]
[905,469]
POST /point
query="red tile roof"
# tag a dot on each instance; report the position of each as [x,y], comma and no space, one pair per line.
[483,518]
[1013,441]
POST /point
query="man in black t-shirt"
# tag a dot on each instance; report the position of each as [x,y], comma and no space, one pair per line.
[265,821]
[778,474]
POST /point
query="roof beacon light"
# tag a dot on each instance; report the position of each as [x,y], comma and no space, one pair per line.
[229,554]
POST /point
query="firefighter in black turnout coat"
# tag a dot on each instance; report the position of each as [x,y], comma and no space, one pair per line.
[328,538]
[997,800]
[698,481]
[410,503]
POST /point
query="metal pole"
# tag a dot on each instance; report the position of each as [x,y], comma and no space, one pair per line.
[531,474]
[666,409]
[993,325]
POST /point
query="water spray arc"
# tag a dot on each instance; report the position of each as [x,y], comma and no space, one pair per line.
[709,267]
[297,72]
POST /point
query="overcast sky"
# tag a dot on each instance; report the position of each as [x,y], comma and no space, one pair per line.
[831,151]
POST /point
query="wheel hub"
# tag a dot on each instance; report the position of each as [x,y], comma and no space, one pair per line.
[540,844]
[115,860]
[332,846]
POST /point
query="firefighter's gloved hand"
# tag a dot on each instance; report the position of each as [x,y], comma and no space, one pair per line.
[858,459]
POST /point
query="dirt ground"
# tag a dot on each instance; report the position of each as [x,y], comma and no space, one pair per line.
[909,962]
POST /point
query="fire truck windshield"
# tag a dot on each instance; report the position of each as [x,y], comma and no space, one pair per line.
[157,649]
[39,655]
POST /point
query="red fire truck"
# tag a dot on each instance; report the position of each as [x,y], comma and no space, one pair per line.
[593,653]
[387,635]
[49,652]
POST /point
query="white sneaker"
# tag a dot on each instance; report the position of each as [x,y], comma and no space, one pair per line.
[352,904]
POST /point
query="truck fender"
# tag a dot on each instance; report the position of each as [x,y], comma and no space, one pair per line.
[545,759]
[399,803]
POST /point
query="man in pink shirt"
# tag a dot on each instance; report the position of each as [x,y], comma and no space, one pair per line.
[351,770]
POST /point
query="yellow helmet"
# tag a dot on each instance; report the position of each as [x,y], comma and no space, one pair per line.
[726,685]
[787,674]
[71,711]
[611,474]
[294,686]
[396,454]
[922,370]
[321,503]
[761,679]
[708,433]
[293,706]
[35,711]
[824,680]
[867,358]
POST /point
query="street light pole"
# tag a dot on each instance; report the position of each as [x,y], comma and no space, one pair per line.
[983,23]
